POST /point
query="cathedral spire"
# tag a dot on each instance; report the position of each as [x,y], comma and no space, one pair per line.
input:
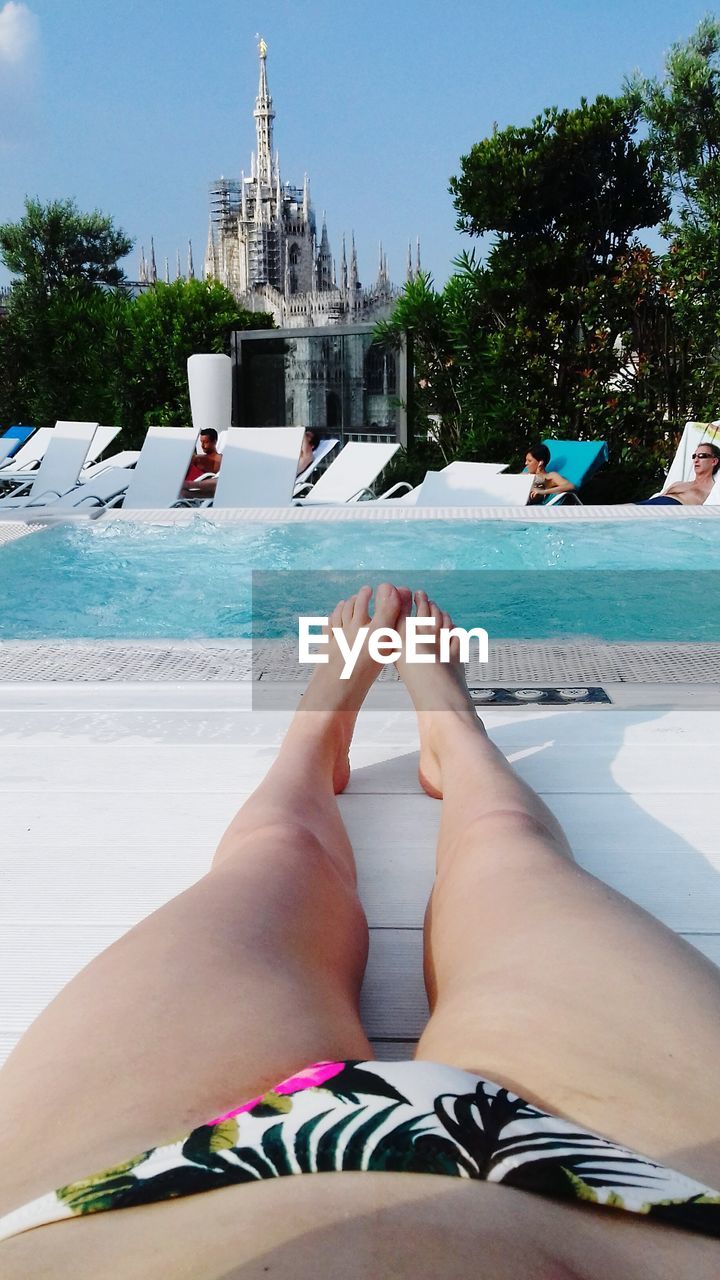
[178,269]
[190,266]
[409,262]
[325,270]
[417,261]
[353,269]
[210,267]
[264,116]
[343,269]
[143,266]
[153,264]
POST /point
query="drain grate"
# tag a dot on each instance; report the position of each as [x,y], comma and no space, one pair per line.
[564,697]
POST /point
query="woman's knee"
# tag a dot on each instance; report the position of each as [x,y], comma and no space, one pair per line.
[293,887]
[506,840]
[281,841]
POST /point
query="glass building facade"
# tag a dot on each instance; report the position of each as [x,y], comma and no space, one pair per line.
[338,379]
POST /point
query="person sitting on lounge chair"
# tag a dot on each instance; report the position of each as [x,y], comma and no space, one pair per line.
[310,442]
[546,482]
[208,460]
[691,493]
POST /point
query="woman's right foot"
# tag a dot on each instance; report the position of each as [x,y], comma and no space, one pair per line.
[440,697]
[335,701]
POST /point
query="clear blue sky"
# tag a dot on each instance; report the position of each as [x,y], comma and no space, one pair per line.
[134,107]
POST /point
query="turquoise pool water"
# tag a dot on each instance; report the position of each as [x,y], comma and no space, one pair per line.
[116,580]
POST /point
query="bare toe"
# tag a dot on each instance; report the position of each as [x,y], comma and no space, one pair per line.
[361,611]
[422,604]
[348,610]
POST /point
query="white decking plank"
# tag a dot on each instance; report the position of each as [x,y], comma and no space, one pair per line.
[562,749]
[172,713]
[187,812]
[551,764]
[664,855]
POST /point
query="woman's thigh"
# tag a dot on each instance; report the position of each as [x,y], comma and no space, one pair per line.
[248,976]
[547,981]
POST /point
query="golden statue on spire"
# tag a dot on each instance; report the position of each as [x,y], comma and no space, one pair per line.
[262,47]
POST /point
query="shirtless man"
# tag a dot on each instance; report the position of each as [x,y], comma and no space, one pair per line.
[208,460]
[706,461]
[545,482]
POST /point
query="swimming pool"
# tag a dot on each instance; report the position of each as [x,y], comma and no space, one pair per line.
[123,580]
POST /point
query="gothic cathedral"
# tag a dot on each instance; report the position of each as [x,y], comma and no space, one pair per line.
[263,243]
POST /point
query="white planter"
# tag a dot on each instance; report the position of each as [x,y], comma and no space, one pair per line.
[210,384]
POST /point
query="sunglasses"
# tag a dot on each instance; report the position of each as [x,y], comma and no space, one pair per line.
[701,456]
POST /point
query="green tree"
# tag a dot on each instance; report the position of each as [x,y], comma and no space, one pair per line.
[60,358]
[165,325]
[568,288]
[55,243]
[683,114]
[64,328]
[570,189]
[452,365]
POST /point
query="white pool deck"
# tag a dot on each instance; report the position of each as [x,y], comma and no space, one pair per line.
[113,796]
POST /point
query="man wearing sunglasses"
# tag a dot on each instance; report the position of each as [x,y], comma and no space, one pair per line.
[706,463]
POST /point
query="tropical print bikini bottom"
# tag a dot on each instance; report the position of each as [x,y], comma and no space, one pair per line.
[411,1117]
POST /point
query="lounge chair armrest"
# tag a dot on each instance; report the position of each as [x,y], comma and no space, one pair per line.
[569,495]
[91,498]
[365,492]
[402,486]
[40,499]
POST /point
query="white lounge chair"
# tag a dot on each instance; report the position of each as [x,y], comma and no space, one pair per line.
[161,467]
[259,467]
[90,498]
[25,464]
[407,495]
[58,470]
[126,458]
[29,456]
[458,486]
[103,437]
[350,476]
[6,448]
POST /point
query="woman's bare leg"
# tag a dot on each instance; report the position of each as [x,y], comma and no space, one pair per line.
[248,976]
[541,977]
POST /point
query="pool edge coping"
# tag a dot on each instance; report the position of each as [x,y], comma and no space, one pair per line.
[356,511]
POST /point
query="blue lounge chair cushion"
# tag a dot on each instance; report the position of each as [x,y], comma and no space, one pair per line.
[576,460]
[20,434]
